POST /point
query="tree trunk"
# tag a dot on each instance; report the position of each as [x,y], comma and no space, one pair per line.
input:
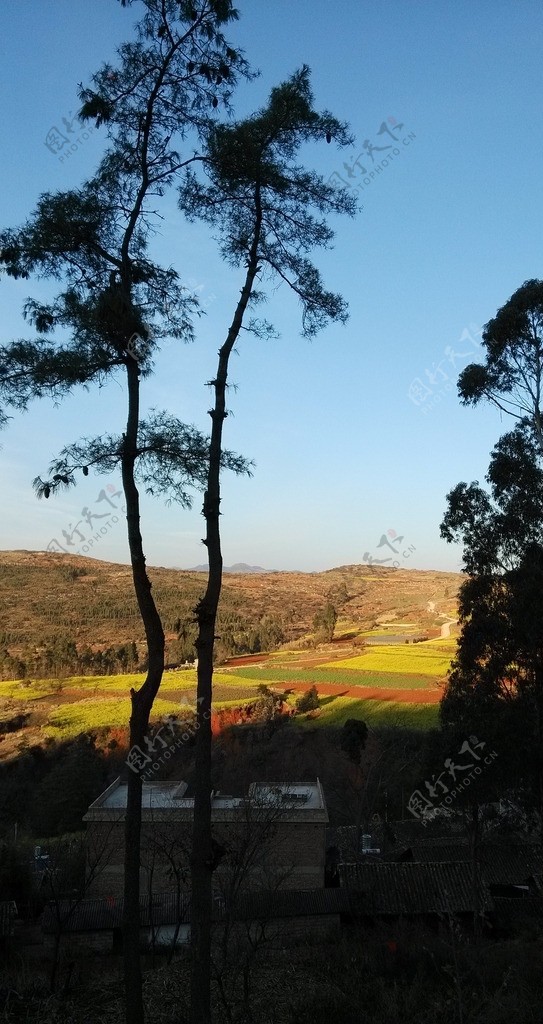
[476,873]
[206,612]
[142,702]
[539,755]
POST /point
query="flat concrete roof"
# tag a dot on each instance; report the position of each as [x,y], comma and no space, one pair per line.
[303,795]
[158,795]
[296,799]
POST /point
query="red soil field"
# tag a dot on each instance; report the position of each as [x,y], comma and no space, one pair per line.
[374,693]
[427,696]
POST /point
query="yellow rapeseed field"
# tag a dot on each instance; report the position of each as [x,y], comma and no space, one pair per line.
[424,659]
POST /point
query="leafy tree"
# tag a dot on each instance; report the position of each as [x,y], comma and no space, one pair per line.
[512,375]
[270,633]
[324,623]
[116,305]
[270,214]
[496,681]
[353,739]
[64,794]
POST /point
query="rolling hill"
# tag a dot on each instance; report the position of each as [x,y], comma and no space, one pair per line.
[46,596]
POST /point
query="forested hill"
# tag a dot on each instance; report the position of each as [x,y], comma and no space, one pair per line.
[61,614]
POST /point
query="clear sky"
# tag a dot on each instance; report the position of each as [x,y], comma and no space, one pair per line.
[359,432]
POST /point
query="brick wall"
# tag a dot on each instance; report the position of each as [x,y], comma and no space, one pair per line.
[261,852]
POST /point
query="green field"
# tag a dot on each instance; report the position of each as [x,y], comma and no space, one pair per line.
[68,720]
[288,677]
[335,711]
[172,682]
[78,704]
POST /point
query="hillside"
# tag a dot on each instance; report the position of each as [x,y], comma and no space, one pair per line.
[49,601]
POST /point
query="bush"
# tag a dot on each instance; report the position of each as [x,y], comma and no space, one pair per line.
[309,701]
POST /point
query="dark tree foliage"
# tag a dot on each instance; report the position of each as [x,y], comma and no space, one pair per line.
[496,681]
[353,739]
[512,375]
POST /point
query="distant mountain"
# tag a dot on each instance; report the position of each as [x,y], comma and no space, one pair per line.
[237,567]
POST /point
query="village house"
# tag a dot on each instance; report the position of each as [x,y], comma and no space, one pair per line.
[274,838]
[270,853]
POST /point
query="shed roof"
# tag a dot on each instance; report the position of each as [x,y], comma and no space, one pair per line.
[394,836]
[500,864]
[106,913]
[408,888]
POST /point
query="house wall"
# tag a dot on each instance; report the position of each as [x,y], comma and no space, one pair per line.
[262,854]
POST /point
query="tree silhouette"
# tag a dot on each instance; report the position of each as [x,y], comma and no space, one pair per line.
[116,303]
[270,213]
[512,375]
[496,680]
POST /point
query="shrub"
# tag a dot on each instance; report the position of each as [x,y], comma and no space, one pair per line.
[309,701]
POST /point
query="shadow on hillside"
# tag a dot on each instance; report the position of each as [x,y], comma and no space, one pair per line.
[332,697]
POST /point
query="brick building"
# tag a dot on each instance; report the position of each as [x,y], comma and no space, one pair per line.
[274,838]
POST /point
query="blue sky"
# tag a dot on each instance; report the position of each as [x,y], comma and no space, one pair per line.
[359,432]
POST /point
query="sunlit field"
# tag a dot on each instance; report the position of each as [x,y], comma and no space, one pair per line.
[334,711]
[409,676]
[424,659]
[289,677]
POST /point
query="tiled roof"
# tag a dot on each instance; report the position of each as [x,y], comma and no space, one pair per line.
[441,852]
[500,864]
[408,888]
[511,866]
[107,913]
